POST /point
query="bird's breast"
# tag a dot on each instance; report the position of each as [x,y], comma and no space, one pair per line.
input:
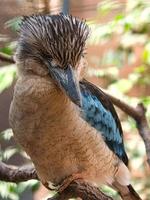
[66,144]
[58,140]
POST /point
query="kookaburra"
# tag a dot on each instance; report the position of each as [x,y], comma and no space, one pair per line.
[67,125]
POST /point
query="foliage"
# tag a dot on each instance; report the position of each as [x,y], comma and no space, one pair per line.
[13,191]
[7,72]
[130,29]
[14,23]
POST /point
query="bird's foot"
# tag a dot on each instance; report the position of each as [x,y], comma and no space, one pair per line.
[50,186]
[66,182]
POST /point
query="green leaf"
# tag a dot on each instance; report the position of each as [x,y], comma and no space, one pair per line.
[31,184]
[9,152]
[140,69]
[123,85]
[7,75]
[6,50]
[14,23]
[146,100]
[9,48]
[110,192]
[129,40]
[7,134]
[146,53]
[101,33]
[119,17]
[13,191]
[105,7]
[7,191]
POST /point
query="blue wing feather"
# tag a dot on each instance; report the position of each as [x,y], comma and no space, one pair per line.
[99,112]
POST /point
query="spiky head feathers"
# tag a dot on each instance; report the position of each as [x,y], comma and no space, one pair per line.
[58,37]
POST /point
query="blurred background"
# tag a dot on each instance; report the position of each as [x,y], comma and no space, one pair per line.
[118,54]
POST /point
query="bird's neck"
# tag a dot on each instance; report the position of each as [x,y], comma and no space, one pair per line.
[54,103]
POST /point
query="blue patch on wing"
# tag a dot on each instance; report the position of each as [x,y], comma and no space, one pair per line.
[103,119]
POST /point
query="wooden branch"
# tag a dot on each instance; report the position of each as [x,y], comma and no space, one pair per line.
[143,128]
[82,189]
[6,58]
[14,174]
[132,112]
[139,115]
[77,188]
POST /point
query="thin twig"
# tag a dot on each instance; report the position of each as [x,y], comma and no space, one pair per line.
[144,130]
[132,112]
[6,58]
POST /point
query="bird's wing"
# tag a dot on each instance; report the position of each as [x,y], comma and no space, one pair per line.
[99,112]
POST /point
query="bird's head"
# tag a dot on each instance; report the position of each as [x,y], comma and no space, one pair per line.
[56,43]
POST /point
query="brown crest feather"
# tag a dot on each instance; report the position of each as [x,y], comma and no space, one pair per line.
[59,37]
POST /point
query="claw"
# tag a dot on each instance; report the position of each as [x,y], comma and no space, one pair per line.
[66,182]
[51,186]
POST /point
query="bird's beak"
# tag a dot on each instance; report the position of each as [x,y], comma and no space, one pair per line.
[67,81]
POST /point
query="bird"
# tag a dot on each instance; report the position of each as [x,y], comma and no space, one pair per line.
[67,125]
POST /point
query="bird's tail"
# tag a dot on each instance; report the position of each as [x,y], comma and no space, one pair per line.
[127,192]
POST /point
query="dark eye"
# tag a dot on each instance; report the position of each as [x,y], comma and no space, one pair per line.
[83,54]
[47,57]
